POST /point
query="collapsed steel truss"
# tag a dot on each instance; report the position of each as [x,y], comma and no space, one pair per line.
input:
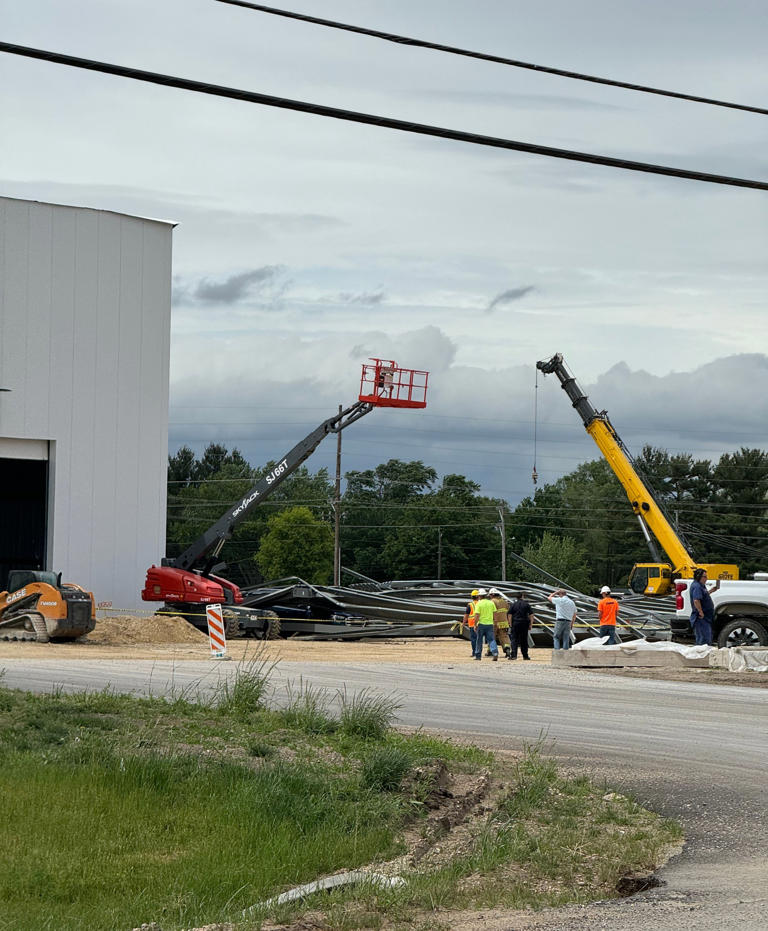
[433,608]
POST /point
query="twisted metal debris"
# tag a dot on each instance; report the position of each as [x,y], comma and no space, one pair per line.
[433,608]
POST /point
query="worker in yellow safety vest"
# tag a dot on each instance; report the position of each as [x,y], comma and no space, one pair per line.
[484,625]
[470,618]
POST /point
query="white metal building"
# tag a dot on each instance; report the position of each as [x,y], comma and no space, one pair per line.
[85,308]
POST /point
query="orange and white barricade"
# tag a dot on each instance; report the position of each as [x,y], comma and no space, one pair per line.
[217,636]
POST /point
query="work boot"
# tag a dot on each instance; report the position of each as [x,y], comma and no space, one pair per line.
[526,657]
[495,657]
[507,652]
[511,657]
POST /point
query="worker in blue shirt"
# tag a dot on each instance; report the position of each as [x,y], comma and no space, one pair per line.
[702,608]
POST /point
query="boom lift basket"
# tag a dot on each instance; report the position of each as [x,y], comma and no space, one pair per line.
[384,384]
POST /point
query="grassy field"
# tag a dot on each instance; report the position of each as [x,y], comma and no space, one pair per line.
[118,811]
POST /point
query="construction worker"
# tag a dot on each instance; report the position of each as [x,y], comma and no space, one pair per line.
[484,611]
[607,611]
[470,618]
[522,618]
[501,621]
[385,381]
[702,608]
[565,615]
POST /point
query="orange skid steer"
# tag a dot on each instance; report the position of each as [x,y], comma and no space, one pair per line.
[39,606]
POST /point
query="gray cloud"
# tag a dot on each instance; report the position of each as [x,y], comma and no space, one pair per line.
[520,101]
[509,296]
[364,297]
[478,420]
[232,290]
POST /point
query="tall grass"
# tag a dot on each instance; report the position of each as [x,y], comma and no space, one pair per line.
[106,841]
[366,714]
[385,768]
[248,690]
[308,710]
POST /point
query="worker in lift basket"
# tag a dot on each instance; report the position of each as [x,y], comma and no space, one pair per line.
[385,381]
[607,611]
[702,608]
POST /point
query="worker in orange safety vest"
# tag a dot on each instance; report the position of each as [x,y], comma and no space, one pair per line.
[607,611]
[470,618]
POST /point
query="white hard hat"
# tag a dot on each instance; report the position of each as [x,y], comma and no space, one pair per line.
[605,590]
[493,591]
[482,591]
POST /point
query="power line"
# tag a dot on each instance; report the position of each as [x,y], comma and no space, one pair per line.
[352,116]
[617,507]
[496,59]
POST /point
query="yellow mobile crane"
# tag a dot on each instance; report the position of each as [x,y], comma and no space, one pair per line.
[649,578]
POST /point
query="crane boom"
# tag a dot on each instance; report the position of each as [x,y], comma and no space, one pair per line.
[204,552]
[186,583]
[641,498]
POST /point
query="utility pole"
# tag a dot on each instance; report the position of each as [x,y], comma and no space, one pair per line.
[337,512]
[503,546]
[439,552]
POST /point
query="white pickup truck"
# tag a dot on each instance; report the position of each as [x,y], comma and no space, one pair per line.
[741,611]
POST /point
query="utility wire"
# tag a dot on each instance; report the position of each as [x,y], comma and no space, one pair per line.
[497,59]
[352,116]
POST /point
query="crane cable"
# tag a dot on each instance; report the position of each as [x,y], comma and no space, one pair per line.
[496,59]
[535,474]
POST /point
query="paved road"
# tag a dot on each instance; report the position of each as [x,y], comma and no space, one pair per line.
[694,752]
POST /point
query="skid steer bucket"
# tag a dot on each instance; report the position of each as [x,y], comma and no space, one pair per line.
[384,384]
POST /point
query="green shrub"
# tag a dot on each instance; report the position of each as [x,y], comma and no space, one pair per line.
[366,715]
[246,692]
[307,710]
[385,768]
[260,748]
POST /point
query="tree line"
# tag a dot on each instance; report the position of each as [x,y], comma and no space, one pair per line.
[400,520]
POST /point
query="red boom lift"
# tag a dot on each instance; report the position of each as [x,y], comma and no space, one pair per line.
[187,583]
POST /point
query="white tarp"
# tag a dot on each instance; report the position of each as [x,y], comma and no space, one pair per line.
[740,659]
[632,647]
[594,653]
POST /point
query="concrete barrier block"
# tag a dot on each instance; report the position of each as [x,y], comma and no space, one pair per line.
[624,656]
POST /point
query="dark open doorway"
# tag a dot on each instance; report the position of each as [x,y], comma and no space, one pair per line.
[23,509]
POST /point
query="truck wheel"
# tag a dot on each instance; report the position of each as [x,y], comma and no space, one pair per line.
[743,632]
[232,625]
[273,627]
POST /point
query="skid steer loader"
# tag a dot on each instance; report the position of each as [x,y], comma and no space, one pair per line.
[39,606]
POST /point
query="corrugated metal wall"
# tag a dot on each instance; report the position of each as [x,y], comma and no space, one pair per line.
[85,306]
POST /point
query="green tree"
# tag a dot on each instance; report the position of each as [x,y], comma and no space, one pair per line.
[561,558]
[373,507]
[181,469]
[397,524]
[589,507]
[296,543]
[736,530]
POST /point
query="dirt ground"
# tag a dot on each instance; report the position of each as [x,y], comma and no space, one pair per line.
[172,638]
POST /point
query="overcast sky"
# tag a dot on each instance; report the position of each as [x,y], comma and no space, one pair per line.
[306,245]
